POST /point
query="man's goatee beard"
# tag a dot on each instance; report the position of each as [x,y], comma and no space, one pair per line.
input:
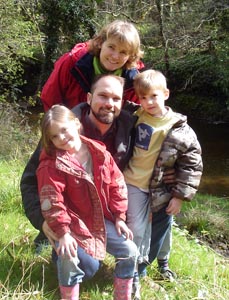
[104,120]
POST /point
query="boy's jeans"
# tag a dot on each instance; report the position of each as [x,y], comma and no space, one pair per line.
[164,252]
[149,237]
[72,271]
[161,223]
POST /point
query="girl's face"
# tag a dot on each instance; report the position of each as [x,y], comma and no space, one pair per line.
[113,54]
[153,102]
[65,135]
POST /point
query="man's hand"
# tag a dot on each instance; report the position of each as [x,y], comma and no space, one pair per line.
[49,234]
[169,176]
[122,228]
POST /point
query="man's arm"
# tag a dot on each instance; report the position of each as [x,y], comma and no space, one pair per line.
[29,191]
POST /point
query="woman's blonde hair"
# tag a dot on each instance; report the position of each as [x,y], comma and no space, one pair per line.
[147,80]
[57,113]
[126,33]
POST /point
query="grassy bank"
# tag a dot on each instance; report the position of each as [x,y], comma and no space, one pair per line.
[202,272]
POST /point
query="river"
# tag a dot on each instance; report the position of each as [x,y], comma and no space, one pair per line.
[214,140]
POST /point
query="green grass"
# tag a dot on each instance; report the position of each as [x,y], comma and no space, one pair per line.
[24,275]
[207,216]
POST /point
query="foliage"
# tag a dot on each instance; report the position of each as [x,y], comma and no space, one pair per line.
[189,43]
[192,50]
[19,38]
[64,24]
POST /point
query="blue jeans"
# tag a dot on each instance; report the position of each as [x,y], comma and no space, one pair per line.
[138,220]
[164,252]
[84,265]
[73,271]
[161,223]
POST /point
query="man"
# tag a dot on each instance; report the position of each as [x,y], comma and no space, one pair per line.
[102,119]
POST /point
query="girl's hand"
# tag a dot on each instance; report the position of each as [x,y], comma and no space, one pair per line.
[67,246]
[122,228]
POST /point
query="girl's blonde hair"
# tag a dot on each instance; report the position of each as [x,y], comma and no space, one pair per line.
[125,32]
[148,80]
[57,113]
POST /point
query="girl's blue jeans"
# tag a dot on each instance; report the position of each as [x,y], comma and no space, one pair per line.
[83,266]
[138,220]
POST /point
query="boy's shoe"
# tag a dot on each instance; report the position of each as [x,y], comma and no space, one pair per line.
[167,274]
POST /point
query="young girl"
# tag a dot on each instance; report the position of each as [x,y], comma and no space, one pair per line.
[116,49]
[84,201]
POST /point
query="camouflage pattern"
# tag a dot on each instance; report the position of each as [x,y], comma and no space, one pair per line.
[180,151]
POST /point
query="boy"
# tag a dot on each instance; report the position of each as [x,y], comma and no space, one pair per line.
[164,140]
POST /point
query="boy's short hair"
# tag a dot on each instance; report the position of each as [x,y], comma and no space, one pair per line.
[149,79]
[126,33]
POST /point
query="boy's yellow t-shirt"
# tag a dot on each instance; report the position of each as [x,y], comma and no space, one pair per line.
[150,134]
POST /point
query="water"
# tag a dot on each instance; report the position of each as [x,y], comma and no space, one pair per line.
[214,140]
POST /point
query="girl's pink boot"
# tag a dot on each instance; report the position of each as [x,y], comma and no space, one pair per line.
[69,292]
[122,288]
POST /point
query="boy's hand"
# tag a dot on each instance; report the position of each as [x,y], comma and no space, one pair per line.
[67,246]
[122,228]
[174,206]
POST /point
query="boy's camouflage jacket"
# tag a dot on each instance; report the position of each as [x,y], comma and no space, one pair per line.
[181,151]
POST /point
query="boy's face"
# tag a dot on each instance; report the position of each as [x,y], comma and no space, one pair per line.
[113,54]
[153,102]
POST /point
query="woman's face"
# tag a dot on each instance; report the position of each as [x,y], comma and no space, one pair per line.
[65,135]
[113,54]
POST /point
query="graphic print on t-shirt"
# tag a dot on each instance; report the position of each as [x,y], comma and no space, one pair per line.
[143,136]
